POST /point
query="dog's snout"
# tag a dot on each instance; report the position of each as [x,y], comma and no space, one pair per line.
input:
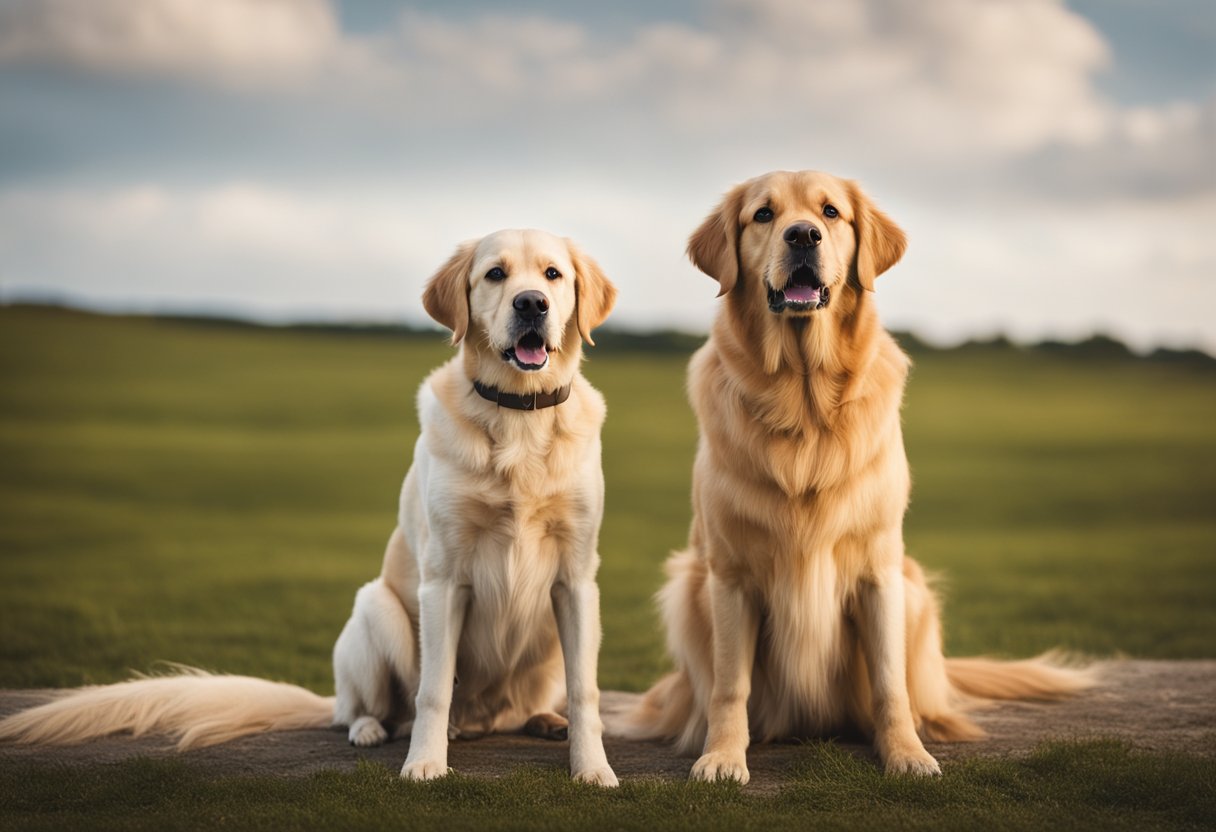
[802,235]
[531,305]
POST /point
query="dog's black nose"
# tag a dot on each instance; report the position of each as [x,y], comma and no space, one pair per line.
[531,305]
[802,235]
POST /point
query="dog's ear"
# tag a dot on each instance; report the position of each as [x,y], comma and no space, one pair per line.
[446,297]
[714,247]
[880,242]
[593,292]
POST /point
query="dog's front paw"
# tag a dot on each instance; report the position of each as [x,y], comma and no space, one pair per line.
[915,761]
[603,776]
[367,731]
[424,769]
[720,765]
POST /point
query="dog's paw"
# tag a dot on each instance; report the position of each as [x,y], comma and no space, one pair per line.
[916,762]
[720,765]
[548,727]
[367,731]
[603,776]
[424,770]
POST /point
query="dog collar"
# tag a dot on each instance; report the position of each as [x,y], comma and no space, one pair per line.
[514,401]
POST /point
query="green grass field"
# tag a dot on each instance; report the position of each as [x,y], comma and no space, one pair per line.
[215,494]
[1099,785]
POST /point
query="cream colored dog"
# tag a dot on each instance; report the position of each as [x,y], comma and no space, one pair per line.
[489,579]
[794,612]
[494,557]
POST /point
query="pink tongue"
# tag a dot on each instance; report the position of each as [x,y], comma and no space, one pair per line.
[531,355]
[802,294]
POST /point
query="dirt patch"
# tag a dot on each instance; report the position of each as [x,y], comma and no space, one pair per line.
[1155,705]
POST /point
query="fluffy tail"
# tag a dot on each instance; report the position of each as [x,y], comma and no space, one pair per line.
[668,711]
[1045,677]
[192,706]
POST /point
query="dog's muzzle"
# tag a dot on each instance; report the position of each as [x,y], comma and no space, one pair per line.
[529,352]
[803,292]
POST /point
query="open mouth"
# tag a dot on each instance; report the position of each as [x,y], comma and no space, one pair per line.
[530,352]
[803,292]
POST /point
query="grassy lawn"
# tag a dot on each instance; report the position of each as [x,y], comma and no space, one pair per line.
[1100,786]
[214,495]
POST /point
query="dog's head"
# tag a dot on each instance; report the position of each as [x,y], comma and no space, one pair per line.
[794,241]
[522,299]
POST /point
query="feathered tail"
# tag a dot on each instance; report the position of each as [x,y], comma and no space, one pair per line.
[192,706]
[668,711]
[1045,677]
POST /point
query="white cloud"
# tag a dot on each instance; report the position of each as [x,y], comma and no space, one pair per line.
[1150,152]
[948,83]
[988,78]
[973,76]
[993,77]
[251,41]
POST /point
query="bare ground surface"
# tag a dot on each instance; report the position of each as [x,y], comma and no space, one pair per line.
[1155,705]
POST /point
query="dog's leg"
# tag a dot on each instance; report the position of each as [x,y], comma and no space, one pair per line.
[376,645]
[360,683]
[881,605]
[442,608]
[577,608]
[735,629]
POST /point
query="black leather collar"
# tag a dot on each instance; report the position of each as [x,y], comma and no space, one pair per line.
[532,401]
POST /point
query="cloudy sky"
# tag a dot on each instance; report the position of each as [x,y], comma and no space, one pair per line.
[1053,162]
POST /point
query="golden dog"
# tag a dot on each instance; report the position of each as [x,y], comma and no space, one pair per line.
[488,578]
[794,611]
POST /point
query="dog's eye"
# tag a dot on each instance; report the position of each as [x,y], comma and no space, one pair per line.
[552,273]
[830,211]
[496,274]
[765,214]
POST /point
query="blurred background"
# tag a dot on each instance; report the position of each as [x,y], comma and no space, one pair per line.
[282,160]
[201,488]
